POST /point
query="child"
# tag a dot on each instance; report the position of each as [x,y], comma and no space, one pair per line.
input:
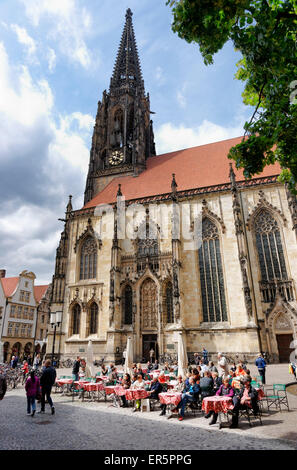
[32,388]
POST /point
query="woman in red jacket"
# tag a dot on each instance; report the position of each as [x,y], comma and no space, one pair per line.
[32,388]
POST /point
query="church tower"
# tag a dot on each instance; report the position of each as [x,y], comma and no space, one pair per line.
[123,135]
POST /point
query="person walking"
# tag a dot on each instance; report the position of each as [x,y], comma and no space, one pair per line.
[75,369]
[47,380]
[222,366]
[261,364]
[32,388]
[205,356]
[3,386]
[36,361]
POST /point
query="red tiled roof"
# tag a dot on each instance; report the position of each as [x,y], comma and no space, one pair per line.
[9,285]
[196,167]
[39,292]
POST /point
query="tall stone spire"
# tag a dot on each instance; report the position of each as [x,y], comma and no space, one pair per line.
[123,137]
[127,71]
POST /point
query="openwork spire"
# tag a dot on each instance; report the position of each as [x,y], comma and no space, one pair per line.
[127,71]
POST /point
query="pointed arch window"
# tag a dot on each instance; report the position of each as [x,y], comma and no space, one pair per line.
[88,259]
[127,305]
[169,302]
[269,247]
[211,274]
[92,326]
[75,320]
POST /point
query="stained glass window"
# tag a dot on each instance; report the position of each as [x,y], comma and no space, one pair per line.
[169,303]
[127,305]
[93,318]
[269,247]
[88,259]
[76,320]
[211,274]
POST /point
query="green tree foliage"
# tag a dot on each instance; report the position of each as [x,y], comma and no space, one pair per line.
[264,31]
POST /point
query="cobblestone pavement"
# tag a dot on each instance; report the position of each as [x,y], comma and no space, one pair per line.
[92,425]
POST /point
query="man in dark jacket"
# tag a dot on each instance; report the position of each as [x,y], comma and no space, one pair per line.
[191,395]
[76,367]
[247,397]
[47,380]
[3,386]
[155,388]
[206,387]
[261,364]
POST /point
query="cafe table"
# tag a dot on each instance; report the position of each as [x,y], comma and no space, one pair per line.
[172,399]
[64,383]
[92,388]
[218,404]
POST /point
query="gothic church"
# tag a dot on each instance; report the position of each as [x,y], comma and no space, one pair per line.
[234,291]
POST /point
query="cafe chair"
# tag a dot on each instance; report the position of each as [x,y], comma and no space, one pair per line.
[248,413]
[278,397]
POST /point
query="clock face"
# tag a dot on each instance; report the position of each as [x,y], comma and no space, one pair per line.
[116,157]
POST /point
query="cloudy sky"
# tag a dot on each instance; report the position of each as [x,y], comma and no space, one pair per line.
[56,58]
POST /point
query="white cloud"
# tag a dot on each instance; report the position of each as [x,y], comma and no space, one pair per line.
[52,59]
[170,137]
[46,159]
[69,26]
[25,39]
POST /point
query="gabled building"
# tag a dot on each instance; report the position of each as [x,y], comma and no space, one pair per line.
[174,245]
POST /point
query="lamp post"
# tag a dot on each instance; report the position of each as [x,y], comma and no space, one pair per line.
[55,321]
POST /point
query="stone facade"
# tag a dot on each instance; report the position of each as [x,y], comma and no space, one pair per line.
[190,261]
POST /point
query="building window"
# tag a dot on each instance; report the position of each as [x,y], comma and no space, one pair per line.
[93,319]
[127,305]
[16,329]
[169,303]
[88,259]
[27,296]
[13,311]
[20,310]
[76,320]
[211,274]
[29,330]
[31,315]
[41,334]
[22,295]
[42,318]
[23,329]
[25,312]
[9,329]
[269,247]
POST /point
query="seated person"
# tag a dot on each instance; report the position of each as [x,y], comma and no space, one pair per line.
[240,370]
[126,383]
[103,370]
[166,367]
[162,378]
[156,365]
[179,387]
[225,390]
[217,381]
[149,366]
[155,388]
[191,395]
[139,384]
[109,370]
[206,385]
[247,398]
[114,374]
[233,368]
[139,370]
[212,367]
[188,375]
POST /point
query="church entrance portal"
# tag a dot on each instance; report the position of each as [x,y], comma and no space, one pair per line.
[149,342]
[283,344]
